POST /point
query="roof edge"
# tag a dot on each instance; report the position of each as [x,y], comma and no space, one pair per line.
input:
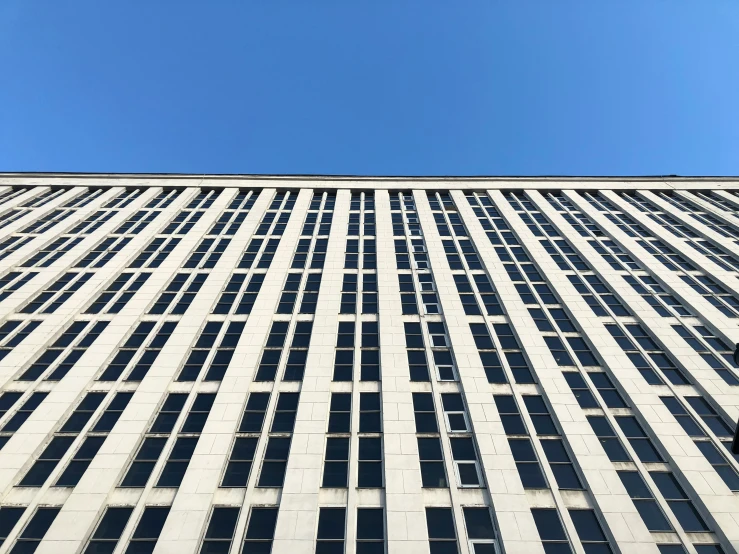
[401,178]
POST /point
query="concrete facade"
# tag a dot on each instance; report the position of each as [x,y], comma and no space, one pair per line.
[236,364]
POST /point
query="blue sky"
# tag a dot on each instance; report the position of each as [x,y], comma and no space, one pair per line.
[371,87]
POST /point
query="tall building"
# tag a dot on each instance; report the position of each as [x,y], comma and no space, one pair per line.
[367,366]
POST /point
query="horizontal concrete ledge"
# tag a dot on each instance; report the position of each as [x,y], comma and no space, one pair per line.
[656,182]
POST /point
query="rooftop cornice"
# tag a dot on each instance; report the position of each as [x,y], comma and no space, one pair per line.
[366,182]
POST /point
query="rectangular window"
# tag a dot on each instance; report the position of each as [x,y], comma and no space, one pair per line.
[441,531]
[644,502]
[370,462]
[424,413]
[370,412]
[344,360]
[35,530]
[254,413]
[80,462]
[349,294]
[155,253]
[590,531]
[179,458]
[339,418]
[20,417]
[284,418]
[430,454]
[118,293]
[109,530]
[710,417]
[480,530]
[682,507]
[551,531]
[147,532]
[336,466]
[62,441]
[260,531]
[608,439]
[455,414]
[232,290]
[240,462]
[540,416]
[9,516]
[370,355]
[221,528]
[370,530]
[465,462]
[638,439]
[182,289]
[580,389]
[331,531]
[527,464]
[56,294]
[561,464]
[719,463]
[275,462]
[151,448]
[682,416]
[510,416]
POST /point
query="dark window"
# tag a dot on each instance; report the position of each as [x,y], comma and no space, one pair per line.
[639,440]
[147,532]
[256,408]
[176,466]
[679,503]
[370,531]
[260,531]
[432,462]
[108,531]
[112,413]
[644,502]
[143,464]
[709,416]
[339,419]
[198,414]
[46,462]
[465,459]
[284,419]
[719,463]
[607,390]
[370,462]
[336,466]
[275,462]
[370,416]
[240,462]
[24,412]
[425,415]
[590,532]
[510,416]
[527,464]
[82,459]
[543,422]
[479,524]
[608,439]
[9,516]
[682,416]
[34,532]
[331,531]
[168,414]
[580,389]
[220,531]
[442,535]
[551,532]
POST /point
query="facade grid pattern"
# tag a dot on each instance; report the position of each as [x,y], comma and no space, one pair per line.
[302,366]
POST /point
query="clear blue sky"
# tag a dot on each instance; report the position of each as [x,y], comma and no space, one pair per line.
[371,87]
